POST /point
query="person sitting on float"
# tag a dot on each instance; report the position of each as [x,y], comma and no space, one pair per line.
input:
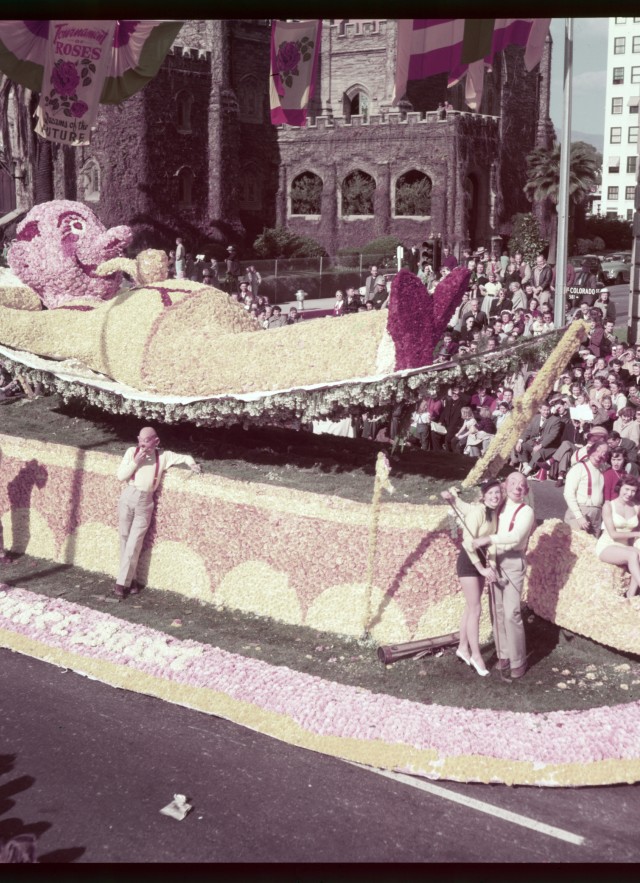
[621,529]
[480,520]
[614,473]
[584,489]
[340,304]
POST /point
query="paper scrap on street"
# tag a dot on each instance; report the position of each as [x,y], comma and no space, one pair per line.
[178,808]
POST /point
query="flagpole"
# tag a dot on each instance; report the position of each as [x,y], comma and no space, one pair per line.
[563,193]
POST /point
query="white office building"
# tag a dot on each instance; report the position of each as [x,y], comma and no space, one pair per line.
[620,155]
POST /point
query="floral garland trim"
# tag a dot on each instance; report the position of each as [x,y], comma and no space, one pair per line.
[289,408]
[552,749]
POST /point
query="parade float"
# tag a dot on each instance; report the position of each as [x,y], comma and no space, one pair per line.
[179,352]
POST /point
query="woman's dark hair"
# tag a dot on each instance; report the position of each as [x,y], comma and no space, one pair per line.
[488,484]
[632,481]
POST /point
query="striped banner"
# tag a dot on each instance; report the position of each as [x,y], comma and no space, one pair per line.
[460,47]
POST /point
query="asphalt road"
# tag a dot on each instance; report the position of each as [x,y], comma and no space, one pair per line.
[87,768]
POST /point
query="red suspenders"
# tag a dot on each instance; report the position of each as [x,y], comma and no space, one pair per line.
[589,484]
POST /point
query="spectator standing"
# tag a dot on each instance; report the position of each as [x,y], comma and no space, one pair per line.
[448,259]
[253,280]
[181,256]
[369,283]
[232,267]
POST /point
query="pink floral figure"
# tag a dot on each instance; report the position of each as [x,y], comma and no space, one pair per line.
[417,321]
[65,78]
[57,249]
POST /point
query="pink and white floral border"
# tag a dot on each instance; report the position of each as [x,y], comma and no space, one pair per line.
[594,746]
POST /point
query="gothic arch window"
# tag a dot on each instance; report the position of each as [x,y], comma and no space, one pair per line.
[89,181]
[250,99]
[185,178]
[184,104]
[306,194]
[250,193]
[413,194]
[357,191]
[356,102]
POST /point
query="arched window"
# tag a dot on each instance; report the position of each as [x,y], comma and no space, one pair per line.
[185,186]
[250,98]
[184,103]
[357,191]
[250,192]
[413,194]
[89,181]
[306,194]
[355,102]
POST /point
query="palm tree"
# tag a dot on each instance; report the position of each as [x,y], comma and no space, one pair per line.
[544,180]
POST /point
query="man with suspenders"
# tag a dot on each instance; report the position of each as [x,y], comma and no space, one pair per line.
[584,489]
[142,468]
[515,523]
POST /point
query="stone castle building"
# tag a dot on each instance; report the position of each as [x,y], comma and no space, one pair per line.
[194,153]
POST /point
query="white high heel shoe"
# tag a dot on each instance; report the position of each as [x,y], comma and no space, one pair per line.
[464,658]
[483,672]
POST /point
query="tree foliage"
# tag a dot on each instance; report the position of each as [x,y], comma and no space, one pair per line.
[526,237]
[615,233]
[306,194]
[413,194]
[278,242]
[357,194]
[543,172]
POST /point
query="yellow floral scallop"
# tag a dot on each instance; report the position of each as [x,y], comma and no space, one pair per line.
[94,546]
[255,587]
[176,567]
[25,530]
[342,610]
[443,618]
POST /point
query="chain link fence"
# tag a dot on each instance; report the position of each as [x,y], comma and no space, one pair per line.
[317,277]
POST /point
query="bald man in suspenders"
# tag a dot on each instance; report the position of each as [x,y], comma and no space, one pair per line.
[509,544]
[142,468]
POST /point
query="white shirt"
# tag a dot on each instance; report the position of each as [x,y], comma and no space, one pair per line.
[576,487]
[516,538]
[143,476]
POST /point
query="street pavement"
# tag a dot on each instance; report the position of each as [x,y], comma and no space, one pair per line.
[87,768]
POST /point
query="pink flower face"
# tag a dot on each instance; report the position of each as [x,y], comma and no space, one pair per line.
[65,78]
[58,247]
[288,57]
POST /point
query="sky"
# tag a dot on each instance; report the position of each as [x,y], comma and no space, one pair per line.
[589,75]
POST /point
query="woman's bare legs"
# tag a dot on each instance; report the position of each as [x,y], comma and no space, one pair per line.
[470,622]
[624,557]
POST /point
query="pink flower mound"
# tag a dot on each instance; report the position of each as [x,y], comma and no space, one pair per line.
[58,247]
[417,319]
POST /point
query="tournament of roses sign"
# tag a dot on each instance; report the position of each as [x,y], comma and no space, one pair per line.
[76,64]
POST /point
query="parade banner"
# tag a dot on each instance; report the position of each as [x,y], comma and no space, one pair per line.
[462,46]
[76,65]
[294,60]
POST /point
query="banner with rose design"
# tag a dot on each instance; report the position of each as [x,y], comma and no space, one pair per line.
[76,64]
[294,62]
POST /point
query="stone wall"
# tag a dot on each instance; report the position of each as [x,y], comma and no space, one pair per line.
[386,147]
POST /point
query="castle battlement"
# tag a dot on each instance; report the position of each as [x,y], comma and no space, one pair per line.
[190,54]
[359,28]
[393,118]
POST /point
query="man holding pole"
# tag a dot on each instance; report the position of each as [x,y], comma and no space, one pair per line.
[515,523]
